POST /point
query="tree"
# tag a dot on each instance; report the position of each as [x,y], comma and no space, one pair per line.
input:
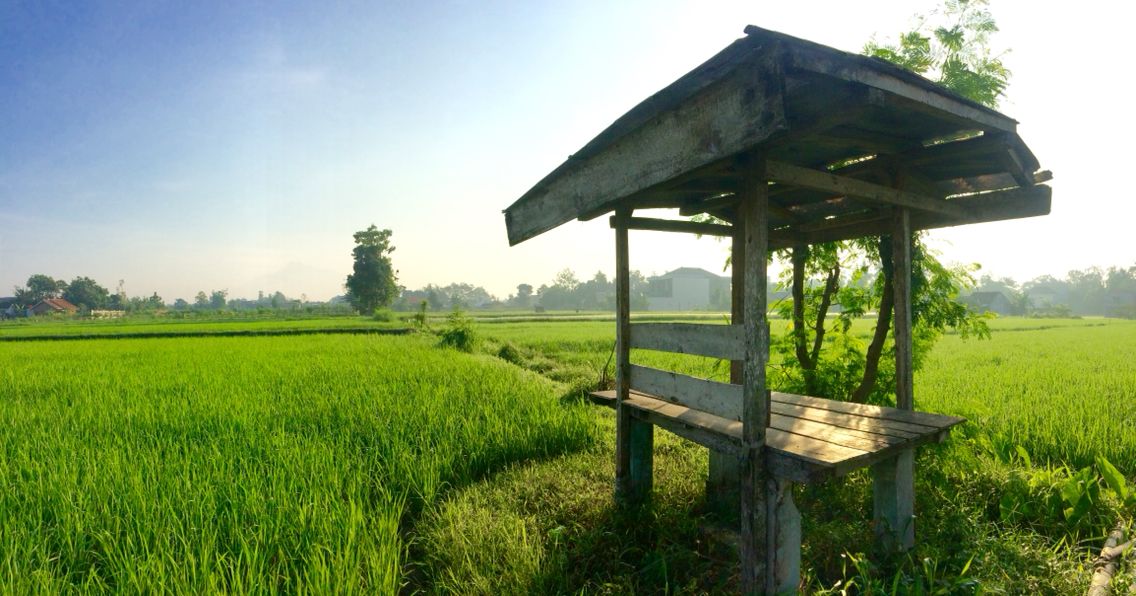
[39,287]
[201,300]
[84,292]
[217,299]
[373,282]
[524,296]
[823,358]
[952,48]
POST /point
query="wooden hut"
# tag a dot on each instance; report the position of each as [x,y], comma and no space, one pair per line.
[791,143]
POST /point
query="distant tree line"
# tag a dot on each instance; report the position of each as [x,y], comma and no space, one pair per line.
[83,292]
[564,292]
[1093,291]
[87,294]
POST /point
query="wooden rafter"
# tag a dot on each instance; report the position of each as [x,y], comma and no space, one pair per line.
[672,225]
[783,173]
[986,207]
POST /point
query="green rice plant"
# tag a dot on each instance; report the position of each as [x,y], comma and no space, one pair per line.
[281,464]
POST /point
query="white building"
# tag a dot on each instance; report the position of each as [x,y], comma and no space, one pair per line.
[688,288]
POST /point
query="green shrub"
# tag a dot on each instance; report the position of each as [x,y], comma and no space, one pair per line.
[419,319]
[384,315]
[459,332]
[510,353]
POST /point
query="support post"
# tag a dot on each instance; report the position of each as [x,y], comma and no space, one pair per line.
[634,438]
[785,524]
[758,537]
[722,485]
[893,480]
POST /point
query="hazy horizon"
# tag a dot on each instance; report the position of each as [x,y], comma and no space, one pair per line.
[183,148]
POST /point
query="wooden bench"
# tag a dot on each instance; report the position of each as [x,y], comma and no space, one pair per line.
[809,438]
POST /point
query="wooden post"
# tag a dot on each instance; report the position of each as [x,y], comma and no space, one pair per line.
[634,439]
[758,539]
[722,485]
[785,523]
[893,488]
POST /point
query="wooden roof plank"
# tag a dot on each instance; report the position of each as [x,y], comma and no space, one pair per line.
[727,117]
[999,205]
[792,175]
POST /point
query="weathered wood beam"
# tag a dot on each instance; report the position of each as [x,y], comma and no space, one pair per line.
[792,175]
[757,538]
[634,438]
[893,482]
[703,206]
[809,115]
[784,521]
[719,399]
[673,225]
[920,97]
[716,341]
[1000,205]
[901,239]
[723,482]
[738,112]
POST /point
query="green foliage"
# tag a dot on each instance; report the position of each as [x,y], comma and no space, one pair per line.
[39,287]
[420,320]
[841,364]
[952,47]
[245,465]
[509,353]
[859,575]
[372,284]
[383,315]
[459,332]
[85,292]
[1068,498]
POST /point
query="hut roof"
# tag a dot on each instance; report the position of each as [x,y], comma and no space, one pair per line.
[846,138]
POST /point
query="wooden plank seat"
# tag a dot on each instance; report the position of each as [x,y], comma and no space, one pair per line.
[809,438]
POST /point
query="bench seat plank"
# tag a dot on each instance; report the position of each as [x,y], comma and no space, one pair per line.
[926,419]
[809,438]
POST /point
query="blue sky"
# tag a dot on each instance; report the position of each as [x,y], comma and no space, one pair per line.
[198,146]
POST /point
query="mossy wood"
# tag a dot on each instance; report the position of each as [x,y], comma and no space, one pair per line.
[790,143]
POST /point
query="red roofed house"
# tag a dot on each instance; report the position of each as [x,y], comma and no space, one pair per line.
[51,306]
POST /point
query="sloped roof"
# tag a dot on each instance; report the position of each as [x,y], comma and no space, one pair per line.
[696,272]
[57,304]
[985,299]
[812,110]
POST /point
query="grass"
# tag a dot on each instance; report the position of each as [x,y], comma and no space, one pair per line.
[146,326]
[1056,388]
[1064,393]
[248,464]
[383,464]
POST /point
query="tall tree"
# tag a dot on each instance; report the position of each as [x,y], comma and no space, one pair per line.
[84,292]
[524,296]
[40,287]
[951,46]
[373,281]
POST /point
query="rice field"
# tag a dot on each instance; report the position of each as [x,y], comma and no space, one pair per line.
[1063,389]
[248,464]
[305,463]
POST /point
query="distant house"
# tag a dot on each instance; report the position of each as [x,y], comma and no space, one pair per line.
[688,288]
[1045,298]
[10,308]
[995,302]
[51,306]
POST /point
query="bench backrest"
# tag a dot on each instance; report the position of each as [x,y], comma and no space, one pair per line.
[717,341]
